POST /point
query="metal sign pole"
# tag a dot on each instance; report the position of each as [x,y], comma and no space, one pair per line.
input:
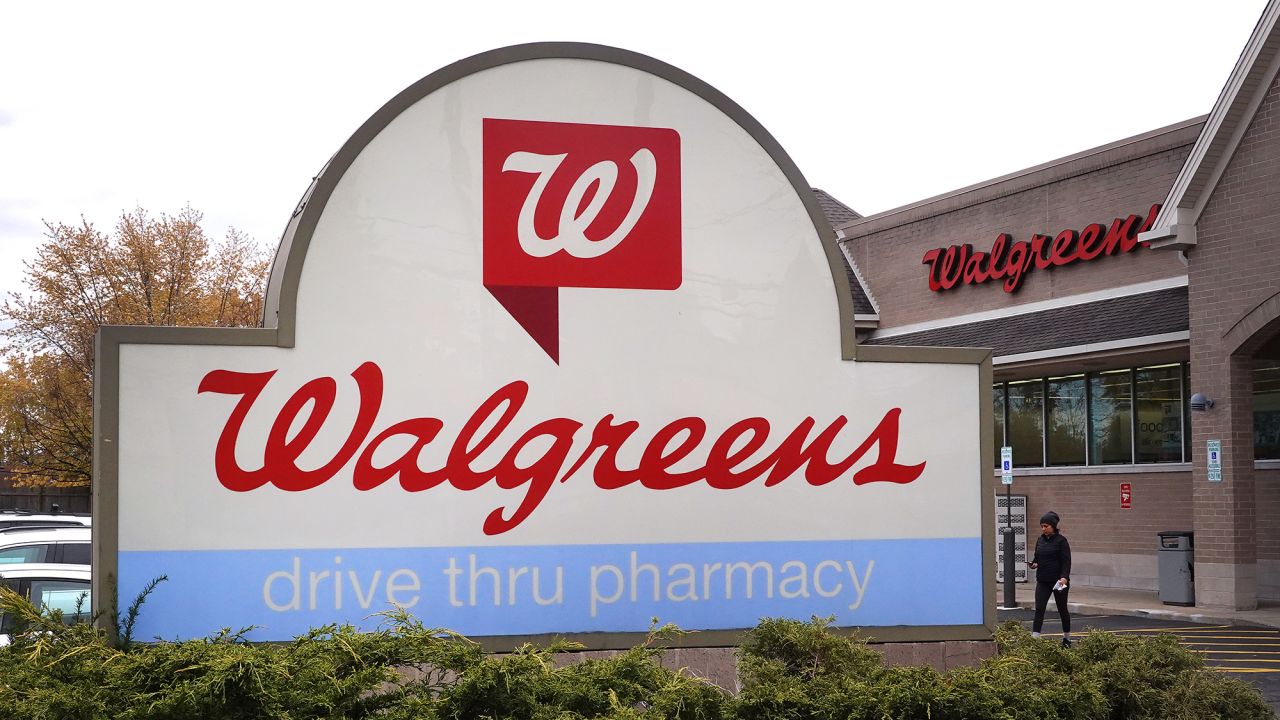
[1006,478]
[1010,588]
[1008,509]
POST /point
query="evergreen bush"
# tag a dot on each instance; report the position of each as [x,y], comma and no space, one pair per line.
[788,670]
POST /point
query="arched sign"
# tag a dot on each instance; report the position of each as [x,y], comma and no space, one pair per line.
[558,342]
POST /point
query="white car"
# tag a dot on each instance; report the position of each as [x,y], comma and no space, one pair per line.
[45,544]
[48,587]
[14,518]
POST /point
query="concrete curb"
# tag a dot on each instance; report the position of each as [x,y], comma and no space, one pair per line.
[1160,613]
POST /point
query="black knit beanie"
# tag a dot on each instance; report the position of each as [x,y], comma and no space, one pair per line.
[1050,518]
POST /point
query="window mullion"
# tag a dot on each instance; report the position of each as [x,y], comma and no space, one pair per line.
[1133,416]
[1044,422]
[1182,411]
[1088,420]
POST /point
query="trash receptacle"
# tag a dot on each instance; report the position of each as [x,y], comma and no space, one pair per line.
[1177,573]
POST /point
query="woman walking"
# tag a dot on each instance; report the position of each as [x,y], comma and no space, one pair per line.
[1052,563]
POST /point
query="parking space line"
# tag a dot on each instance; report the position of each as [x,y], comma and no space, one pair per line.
[1153,631]
[1234,629]
[1232,637]
[1269,642]
[1170,631]
[1244,633]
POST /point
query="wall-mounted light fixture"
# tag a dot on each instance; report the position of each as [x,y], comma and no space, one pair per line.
[1200,403]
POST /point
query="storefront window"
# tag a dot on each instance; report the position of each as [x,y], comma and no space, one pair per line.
[997,411]
[1159,413]
[1266,410]
[1186,413]
[1111,418]
[1116,417]
[1065,414]
[1026,422]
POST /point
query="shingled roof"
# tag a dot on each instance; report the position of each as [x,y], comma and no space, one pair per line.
[838,214]
[1131,316]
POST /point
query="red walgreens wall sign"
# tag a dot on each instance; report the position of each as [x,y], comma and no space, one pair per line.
[1011,261]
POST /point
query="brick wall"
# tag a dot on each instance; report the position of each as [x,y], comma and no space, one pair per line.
[1090,508]
[720,665]
[1234,267]
[1092,519]
[890,259]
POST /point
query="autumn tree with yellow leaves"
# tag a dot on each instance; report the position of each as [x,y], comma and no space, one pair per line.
[148,271]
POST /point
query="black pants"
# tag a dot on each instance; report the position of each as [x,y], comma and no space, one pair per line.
[1043,591]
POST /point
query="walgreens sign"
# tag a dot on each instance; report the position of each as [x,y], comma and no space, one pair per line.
[555,344]
[1011,260]
[726,466]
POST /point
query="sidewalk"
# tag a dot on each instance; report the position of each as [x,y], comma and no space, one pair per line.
[1137,603]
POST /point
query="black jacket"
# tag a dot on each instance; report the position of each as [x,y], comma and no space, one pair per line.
[1053,558]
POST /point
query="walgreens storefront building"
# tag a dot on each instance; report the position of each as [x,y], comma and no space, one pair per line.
[1114,285]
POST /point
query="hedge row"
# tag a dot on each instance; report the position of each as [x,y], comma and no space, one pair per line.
[788,670]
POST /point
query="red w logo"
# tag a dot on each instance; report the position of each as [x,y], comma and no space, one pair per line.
[571,205]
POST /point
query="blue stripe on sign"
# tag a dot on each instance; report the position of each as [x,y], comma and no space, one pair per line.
[483,591]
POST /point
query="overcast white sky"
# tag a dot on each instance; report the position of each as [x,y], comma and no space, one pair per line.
[233,106]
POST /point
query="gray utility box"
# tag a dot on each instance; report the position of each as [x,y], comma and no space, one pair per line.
[1177,573]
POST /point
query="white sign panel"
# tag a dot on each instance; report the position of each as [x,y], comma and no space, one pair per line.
[558,351]
[1006,465]
[1214,457]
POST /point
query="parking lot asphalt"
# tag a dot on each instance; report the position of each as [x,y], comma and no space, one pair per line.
[1249,653]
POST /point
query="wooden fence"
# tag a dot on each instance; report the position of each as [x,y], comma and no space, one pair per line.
[42,500]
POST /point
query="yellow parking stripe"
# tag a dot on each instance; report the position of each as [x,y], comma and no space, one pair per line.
[1232,652]
[1189,641]
[1233,629]
[1262,634]
[1257,660]
[1228,637]
[1147,630]
[1244,670]
[1168,631]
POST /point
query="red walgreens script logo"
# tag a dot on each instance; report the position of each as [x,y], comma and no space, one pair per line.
[729,464]
[572,205]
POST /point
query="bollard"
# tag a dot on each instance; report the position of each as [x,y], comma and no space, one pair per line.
[1010,588]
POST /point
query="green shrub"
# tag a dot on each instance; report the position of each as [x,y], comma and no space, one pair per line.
[1213,696]
[1149,677]
[528,683]
[789,670]
[793,670]
[70,672]
[800,670]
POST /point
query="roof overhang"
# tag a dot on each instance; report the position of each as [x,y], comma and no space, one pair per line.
[866,322]
[1178,234]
